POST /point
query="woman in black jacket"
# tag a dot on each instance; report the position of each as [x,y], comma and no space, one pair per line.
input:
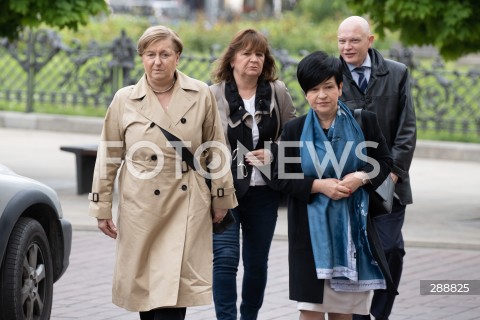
[329,168]
[253,106]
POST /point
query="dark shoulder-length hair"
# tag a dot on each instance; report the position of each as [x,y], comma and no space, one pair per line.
[318,67]
[245,39]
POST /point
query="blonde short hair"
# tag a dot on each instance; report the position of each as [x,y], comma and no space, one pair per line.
[156,33]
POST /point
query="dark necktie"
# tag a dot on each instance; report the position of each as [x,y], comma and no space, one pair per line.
[362,81]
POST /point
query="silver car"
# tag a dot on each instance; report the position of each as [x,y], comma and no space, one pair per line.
[35,243]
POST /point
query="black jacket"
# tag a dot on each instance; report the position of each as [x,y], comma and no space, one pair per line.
[388,95]
[283,110]
[304,285]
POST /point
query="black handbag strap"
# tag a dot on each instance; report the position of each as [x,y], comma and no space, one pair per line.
[186,155]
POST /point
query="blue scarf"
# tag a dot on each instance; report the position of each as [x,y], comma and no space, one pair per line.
[338,227]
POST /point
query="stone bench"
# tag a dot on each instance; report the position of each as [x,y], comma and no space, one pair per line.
[85,156]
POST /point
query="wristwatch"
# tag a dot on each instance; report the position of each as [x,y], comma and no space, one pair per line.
[362,176]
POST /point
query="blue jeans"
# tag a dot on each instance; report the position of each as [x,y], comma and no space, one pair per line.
[257,215]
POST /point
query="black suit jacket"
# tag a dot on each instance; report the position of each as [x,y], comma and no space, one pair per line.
[389,96]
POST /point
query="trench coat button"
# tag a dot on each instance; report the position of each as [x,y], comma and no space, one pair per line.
[152,124]
[154,157]
[156,192]
[183,120]
[184,187]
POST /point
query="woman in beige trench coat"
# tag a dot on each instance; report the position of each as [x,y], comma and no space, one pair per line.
[164,226]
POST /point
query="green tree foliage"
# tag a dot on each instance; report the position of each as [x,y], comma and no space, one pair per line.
[15,15]
[452,26]
[319,10]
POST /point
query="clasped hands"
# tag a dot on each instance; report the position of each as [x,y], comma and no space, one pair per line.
[260,157]
[338,189]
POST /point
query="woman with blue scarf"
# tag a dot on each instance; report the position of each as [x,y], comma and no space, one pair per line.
[329,167]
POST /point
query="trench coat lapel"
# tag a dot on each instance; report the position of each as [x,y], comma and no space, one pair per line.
[183,98]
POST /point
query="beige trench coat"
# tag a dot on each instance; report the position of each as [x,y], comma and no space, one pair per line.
[164,242]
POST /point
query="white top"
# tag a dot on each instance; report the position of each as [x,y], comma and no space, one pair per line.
[368,69]
[256,179]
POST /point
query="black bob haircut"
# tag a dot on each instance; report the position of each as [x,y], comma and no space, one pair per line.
[318,67]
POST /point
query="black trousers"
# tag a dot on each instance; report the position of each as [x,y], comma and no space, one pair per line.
[389,228]
[164,314]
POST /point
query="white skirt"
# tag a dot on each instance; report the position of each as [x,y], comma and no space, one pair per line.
[340,302]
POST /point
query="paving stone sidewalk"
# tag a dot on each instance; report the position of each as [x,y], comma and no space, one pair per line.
[84,292]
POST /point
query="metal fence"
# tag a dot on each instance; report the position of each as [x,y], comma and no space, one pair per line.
[40,70]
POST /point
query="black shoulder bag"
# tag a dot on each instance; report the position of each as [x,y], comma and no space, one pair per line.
[187,156]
